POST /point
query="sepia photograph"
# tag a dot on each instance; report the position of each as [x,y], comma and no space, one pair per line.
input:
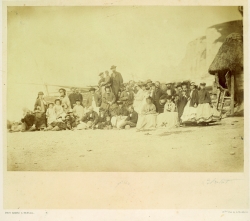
[125,88]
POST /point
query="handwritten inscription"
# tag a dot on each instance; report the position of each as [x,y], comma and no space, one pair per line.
[220,181]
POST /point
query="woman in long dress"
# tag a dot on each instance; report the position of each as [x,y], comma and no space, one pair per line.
[138,99]
[189,113]
[146,94]
[206,113]
[147,118]
[169,118]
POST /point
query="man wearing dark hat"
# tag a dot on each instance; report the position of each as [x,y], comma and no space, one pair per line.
[93,99]
[116,81]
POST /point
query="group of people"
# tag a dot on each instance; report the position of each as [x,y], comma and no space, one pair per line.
[144,105]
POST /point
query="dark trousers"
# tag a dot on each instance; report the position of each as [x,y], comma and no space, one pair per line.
[131,124]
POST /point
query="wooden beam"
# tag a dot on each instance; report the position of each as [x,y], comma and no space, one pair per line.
[232,95]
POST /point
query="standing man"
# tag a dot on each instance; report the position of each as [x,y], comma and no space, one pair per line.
[72,97]
[107,80]
[156,96]
[116,80]
[100,83]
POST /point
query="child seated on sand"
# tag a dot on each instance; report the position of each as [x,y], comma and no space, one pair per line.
[58,108]
[78,109]
[50,114]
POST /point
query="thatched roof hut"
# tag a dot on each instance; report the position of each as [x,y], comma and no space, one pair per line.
[229,56]
[229,61]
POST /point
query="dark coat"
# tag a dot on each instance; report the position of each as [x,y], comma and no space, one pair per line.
[181,103]
[160,107]
[156,97]
[107,98]
[102,119]
[107,81]
[133,118]
[116,82]
[97,100]
[121,111]
[38,103]
[73,97]
[29,120]
[204,97]
[194,99]
[93,118]
[127,97]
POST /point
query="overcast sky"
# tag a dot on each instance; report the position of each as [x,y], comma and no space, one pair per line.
[72,45]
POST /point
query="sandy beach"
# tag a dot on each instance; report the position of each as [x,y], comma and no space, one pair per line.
[215,148]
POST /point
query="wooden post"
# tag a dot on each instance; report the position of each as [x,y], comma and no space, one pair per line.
[232,95]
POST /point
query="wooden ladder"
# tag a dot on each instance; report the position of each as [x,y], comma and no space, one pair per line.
[221,97]
[221,100]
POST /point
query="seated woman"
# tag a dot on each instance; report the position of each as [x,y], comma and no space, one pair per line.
[120,115]
[147,118]
[169,118]
[139,96]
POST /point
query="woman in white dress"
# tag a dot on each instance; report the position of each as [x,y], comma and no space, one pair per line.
[146,94]
[139,96]
[169,118]
[147,118]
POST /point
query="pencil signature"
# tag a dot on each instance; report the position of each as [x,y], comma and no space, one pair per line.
[220,181]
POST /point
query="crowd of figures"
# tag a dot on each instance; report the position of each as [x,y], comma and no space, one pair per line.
[119,105]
